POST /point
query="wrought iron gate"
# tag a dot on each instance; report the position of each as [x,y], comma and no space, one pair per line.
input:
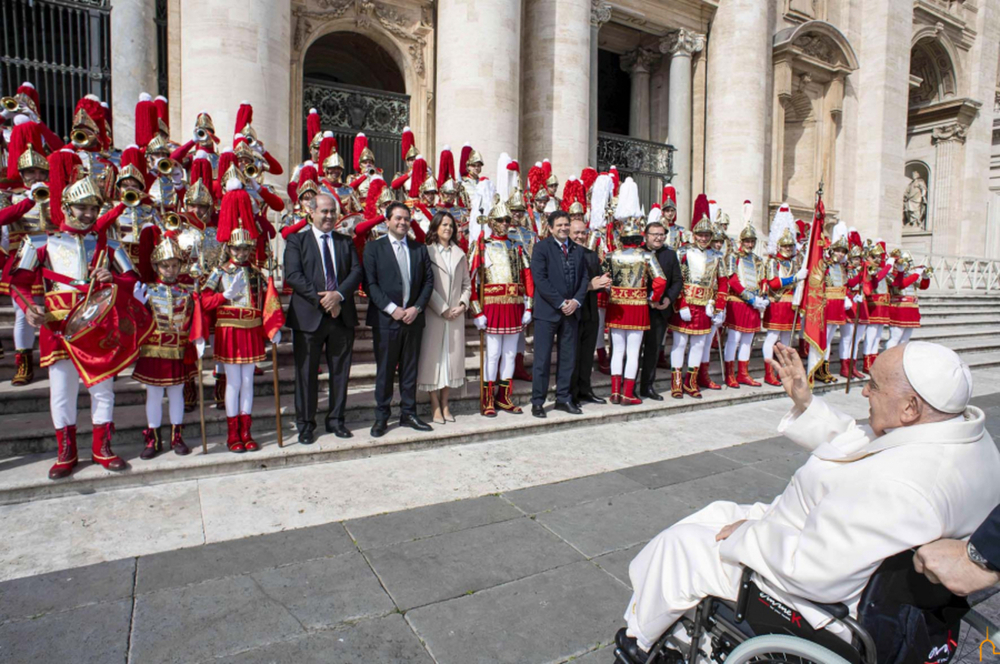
[345,110]
[650,164]
[63,47]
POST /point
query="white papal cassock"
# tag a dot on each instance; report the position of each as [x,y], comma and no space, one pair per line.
[856,501]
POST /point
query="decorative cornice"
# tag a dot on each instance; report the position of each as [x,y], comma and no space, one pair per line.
[955,131]
[600,13]
[682,42]
[639,61]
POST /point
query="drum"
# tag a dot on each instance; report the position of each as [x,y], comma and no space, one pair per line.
[103,333]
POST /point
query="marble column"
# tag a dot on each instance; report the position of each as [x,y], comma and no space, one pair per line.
[555,85]
[232,52]
[133,62]
[479,77]
[738,98]
[946,221]
[600,13]
[681,45]
[638,63]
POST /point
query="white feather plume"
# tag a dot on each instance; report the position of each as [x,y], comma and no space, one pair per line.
[655,216]
[628,200]
[503,183]
[480,206]
[782,220]
[600,198]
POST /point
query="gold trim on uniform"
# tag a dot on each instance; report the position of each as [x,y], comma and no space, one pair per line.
[241,317]
[628,296]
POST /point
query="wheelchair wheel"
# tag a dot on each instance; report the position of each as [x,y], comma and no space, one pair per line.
[783,649]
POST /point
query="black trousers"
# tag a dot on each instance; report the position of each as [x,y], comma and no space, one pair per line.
[336,340]
[652,344]
[567,330]
[584,366]
[396,349]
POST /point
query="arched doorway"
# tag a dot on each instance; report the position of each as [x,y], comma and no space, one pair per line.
[356,85]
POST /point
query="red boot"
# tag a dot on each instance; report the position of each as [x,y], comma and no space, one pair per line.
[519,371]
[616,389]
[100,448]
[676,384]
[505,397]
[152,442]
[220,391]
[488,407]
[704,380]
[190,395]
[663,362]
[845,367]
[66,460]
[743,375]
[233,441]
[177,443]
[249,444]
[803,349]
[24,372]
[628,397]
[769,376]
[603,362]
[691,384]
[869,361]
[854,369]
[731,375]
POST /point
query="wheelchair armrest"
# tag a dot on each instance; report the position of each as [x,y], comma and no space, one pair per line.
[743,598]
[838,610]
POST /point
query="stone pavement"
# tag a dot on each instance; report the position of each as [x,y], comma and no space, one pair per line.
[530,575]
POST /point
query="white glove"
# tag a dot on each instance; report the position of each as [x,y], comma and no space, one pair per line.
[761,303]
[686,314]
[480,322]
[37,185]
[194,135]
[277,338]
[848,304]
[719,318]
[258,148]
[920,271]
[709,309]
[859,298]
[177,175]
[526,318]
[236,288]
[801,274]
[199,347]
[141,293]
[252,184]
[890,261]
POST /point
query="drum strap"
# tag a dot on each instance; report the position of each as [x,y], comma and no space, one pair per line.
[63,279]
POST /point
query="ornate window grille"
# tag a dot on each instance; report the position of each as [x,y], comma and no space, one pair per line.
[650,164]
[162,65]
[63,47]
[345,110]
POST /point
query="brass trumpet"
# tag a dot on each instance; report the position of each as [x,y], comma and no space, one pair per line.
[79,138]
[251,141]
[251,170]
[40,194]
[9,103]
[131,198]
[165,166]
[171,221]
[201,135]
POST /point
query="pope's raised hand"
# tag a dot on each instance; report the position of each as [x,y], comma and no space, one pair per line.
[792,374]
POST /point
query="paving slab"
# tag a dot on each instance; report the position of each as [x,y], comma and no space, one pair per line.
[604,655]
[387,640]
[215,618]
[680,469]
[611,524]
[326,592]
[453,564]
[760,450]
[173,569]
[783,466]
[68,589]
[547,617]
[616,563]
[384,529]
[81,636]
[743,485]
[572,492]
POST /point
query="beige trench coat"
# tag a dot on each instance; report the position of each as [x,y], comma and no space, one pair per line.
[442,349]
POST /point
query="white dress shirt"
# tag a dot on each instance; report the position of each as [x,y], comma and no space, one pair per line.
[318,234]
[396,245]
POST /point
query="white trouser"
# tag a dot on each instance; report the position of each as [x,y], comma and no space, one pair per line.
[772,337]
[680,567]
[814,356]
[239,389]
[601,315]
[846,334]
[742,340]
[707,352]
[154,404]
[625,346]
[64,387]
[898,335]
[501,353]
[873,335]
[24,333]
[681,341]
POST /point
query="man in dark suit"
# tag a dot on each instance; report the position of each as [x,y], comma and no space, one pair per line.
[659,312]
[964,567]
[400,282]
[560,288]
[323,270]
[581,389]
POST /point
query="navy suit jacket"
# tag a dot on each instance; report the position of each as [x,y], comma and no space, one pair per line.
[551,286]
[385,284]
[304,273]
[986,539]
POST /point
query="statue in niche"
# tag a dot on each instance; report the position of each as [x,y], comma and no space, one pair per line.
[915,202]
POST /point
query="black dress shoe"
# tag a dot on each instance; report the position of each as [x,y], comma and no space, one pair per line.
[307,437]
[591,398]
[651,393]
[339,430]
[378,429]
[414,422]
[538,411]
[570,408]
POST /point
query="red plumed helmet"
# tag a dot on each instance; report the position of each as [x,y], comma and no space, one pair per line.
[615,178]
[226,159]
[327,147]
[132,156]
[63,166]
[418,176]
[536,178]
[463,158]
[146,121]
[201,169]
[446,166]
[854,238]
[236,212]
[408,144]
[244,116]
[91,105]
[588,177]
[312,125]
[375,188]
[701,210]
[24,133]
[360,143]
[29,91]
[162,110]
[670,194]
[569,193]
[308,172]
[546,168]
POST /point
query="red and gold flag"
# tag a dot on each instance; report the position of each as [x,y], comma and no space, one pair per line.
[274,316]
[814,293]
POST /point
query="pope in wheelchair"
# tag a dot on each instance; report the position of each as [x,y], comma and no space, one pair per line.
[924,468]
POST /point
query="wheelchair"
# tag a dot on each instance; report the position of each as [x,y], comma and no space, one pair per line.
[903,618]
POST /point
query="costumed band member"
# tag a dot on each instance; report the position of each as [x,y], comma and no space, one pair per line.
[601,242]
[296,219]
[904,310]
[139,214]
[837,302]
[524,238]
[504,309]
[675,232]
[235,292]
[91,140]
[856,281]
[403,183]
[422,208]
[203,139]
[745,304]
[169,357]
[634,272]
[78,264]
[879,265]
[333,181]
[452,201]
[551,187]
[538,215]
[167,189]
[470,166]
[365,170]
[718,246]
[784,271]
[701,300]
[374,226]
[23,214]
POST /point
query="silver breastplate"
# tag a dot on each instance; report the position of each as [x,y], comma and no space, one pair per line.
[35,220]
[503,264]
[699,267]
[224,277]
[524,238]
[629,267]
[162,191]
[675,236]
[130,223]
[747,269]
[171,304]
[71,255]
[836,276]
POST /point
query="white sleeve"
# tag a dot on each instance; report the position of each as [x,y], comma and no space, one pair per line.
[820,424]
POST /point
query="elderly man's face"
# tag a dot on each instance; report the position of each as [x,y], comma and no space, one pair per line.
[579,233]
[892,403]
[324,216]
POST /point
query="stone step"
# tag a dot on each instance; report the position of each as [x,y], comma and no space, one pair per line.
[27,480]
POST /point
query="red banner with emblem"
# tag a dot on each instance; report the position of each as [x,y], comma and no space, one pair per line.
[274,316]
[814,293]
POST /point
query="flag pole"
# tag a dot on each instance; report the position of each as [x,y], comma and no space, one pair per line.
[854,336]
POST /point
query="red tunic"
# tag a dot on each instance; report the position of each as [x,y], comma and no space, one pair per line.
[740,315]
[904,310]
[701,322]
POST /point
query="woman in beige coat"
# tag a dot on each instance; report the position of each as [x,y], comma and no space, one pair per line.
[442,349]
